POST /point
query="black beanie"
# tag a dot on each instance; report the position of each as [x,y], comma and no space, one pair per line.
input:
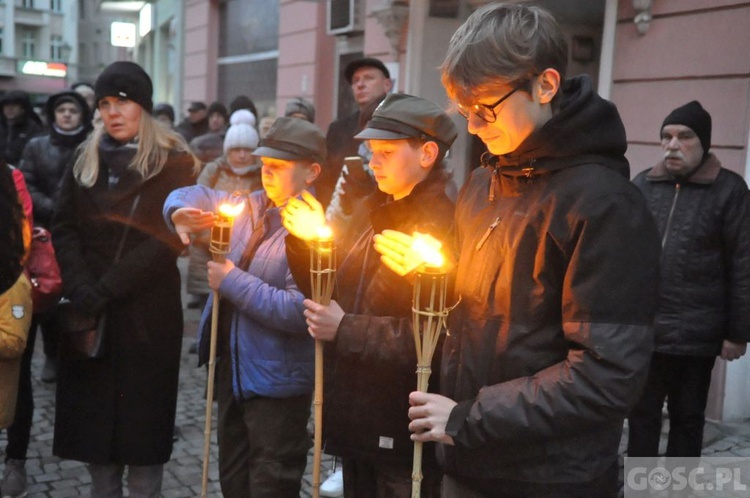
[695,117]
[125,79]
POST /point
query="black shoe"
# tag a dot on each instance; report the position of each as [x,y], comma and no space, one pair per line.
[194,305]
[49,370]
[193,349]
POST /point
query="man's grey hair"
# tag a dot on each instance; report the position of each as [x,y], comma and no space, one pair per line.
[500,43]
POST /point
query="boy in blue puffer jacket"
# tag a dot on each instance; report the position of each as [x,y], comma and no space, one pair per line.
[264,373]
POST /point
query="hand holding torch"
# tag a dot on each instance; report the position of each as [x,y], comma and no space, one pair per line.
[429,314]
[221,237]
[322,279]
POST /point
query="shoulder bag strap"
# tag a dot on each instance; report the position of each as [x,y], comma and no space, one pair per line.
[127,228]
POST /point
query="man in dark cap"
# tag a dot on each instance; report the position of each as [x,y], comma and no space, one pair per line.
[370,80]
[264,374]
[703,214]
[370,353]
[196,123]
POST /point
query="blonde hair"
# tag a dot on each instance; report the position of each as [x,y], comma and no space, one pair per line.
[155,142]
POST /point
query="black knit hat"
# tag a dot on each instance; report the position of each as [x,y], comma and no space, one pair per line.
[695,117]
[128,80]
[220,108]
[165,109]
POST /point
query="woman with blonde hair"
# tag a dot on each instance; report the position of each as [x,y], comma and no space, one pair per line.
[118,258]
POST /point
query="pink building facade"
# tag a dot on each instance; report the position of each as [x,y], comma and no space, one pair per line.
[680,51]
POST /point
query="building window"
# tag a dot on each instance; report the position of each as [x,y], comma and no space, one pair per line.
[55,47]
[55,5]
[28,44]
[1,41]
[248,51]
[28,4]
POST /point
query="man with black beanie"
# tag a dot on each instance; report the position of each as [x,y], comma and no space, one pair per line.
[703,214]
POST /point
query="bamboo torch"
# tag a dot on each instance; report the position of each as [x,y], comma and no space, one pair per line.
[221,236]
[429,314]
[322,278]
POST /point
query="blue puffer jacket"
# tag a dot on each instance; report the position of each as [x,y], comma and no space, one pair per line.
[272,353]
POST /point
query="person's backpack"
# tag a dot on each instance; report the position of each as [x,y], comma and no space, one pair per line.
[43,271]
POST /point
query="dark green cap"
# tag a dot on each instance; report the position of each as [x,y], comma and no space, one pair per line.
[293,139]
[402,116]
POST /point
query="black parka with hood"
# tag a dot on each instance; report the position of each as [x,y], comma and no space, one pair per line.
[549,347]
[46,157]
[14,135]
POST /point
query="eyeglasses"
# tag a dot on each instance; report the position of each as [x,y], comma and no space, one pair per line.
[487,112]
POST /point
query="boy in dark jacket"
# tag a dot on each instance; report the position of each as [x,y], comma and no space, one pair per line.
[370,359]
[549,347]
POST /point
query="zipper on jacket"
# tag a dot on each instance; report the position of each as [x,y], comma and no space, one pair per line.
[671,214]
[493,186]
[487,233]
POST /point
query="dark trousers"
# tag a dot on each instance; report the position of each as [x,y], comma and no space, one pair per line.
[368,479]
[19,432]
[604,486]
[50,333]
[263,442]
[684,382]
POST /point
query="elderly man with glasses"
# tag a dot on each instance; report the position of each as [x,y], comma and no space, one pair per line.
[558,254]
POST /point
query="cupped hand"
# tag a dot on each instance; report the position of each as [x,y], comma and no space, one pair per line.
[189,220]
[397,250]
[303,217]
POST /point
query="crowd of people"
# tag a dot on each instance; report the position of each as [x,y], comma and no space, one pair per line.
[582,298]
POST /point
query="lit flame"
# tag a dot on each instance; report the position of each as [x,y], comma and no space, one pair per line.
[324,233]
[428,250]
[230,210]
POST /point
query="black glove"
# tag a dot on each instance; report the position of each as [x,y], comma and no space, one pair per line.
[90,299]
[354,190]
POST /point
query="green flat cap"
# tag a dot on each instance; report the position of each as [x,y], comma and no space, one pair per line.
[293,139]
[402,116]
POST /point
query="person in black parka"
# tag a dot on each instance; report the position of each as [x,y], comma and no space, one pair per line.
[18,124]
[119,410]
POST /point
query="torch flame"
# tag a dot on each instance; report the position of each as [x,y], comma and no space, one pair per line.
[428,250]
[324,233]
[230,210]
